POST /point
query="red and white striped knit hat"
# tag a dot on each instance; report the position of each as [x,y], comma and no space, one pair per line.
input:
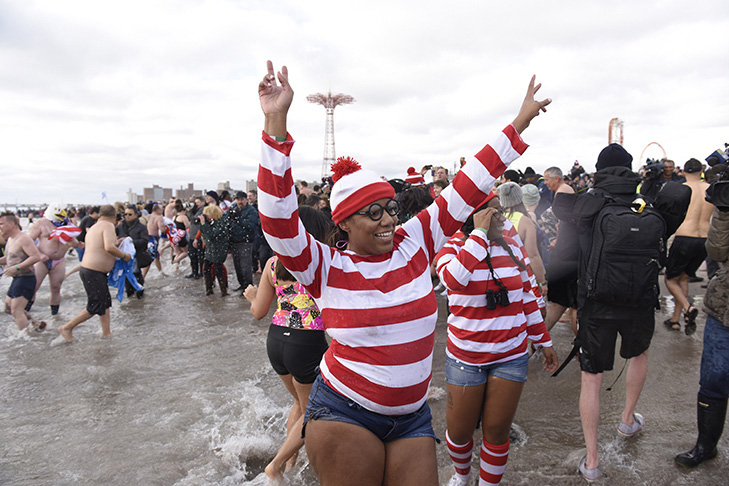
[414,178]
[355,188]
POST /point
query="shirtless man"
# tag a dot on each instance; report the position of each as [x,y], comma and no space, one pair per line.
[155,227]
[99,258]
[53,252]
[688,250]
[22,254]
[561,275]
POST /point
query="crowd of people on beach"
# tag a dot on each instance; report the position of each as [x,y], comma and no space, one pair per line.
[359,259]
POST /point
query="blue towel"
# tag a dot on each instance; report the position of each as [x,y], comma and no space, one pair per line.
[124,271]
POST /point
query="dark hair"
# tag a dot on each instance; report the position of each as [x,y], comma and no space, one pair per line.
[467,228]
[94,209]
[413,200]
[519,208]
[317,225]
[312,201]
[441,183]
[11,217]
[133,208]
[178,205]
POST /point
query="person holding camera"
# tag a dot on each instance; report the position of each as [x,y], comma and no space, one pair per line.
[656,173]
[713,393]
[487,356]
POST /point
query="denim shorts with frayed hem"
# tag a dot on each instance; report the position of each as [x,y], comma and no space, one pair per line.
[462,374]
[327,404]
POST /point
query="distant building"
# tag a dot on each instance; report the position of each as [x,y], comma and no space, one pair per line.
[157,193]
[186,194]
[251,185]
[133,197]
[224,186]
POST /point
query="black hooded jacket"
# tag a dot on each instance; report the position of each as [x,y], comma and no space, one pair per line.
[579,211]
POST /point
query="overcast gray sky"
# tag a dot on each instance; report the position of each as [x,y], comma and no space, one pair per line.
[100,96]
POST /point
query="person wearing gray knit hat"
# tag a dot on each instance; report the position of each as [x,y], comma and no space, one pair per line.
[510,194]
[511,198]
[530,195]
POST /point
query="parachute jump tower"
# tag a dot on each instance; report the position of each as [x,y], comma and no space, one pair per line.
[329,102]
[615,131]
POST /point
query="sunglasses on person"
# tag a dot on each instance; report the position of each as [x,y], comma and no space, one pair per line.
[375,211]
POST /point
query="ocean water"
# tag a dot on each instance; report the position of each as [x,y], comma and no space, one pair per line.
[183,394]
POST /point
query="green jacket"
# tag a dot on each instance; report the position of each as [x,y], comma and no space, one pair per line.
[716,300]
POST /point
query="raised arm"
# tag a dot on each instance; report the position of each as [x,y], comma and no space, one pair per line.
[299,252]
[275,100]
[476,179]
[530,107]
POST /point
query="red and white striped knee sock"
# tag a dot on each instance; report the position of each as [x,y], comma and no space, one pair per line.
[493,463]
[461,455]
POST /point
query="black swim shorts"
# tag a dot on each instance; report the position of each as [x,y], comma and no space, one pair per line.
[562,279]
[296,352]
[686,256]
[97,291]
[598,335]
[22,286]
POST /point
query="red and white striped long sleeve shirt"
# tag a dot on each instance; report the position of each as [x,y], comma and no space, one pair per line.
[477,335]
[380,310]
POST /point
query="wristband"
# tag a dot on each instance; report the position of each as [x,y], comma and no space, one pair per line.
[17,268]
[543,284]
[280,139]
[482,229]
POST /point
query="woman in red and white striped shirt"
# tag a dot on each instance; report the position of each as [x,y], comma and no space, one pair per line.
[493,313]
[367,418]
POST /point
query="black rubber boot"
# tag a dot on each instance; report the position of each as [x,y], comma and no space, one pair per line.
[711,414]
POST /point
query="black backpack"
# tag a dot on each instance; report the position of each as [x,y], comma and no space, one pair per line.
[624,260]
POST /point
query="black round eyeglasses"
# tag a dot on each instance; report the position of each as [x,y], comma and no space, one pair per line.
[375,211]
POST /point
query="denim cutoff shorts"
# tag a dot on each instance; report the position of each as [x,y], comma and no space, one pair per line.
[462,374]
[327,404]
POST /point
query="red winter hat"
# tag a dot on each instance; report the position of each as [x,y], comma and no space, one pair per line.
[414,178]
[355,188]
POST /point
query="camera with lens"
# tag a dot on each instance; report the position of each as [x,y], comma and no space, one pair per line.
[576,171]
[653,168]
[718,191]
[494,298]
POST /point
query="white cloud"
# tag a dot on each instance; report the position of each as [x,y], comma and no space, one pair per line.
[103,96]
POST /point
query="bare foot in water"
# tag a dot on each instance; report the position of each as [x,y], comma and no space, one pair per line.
[66,334]
[275,478]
